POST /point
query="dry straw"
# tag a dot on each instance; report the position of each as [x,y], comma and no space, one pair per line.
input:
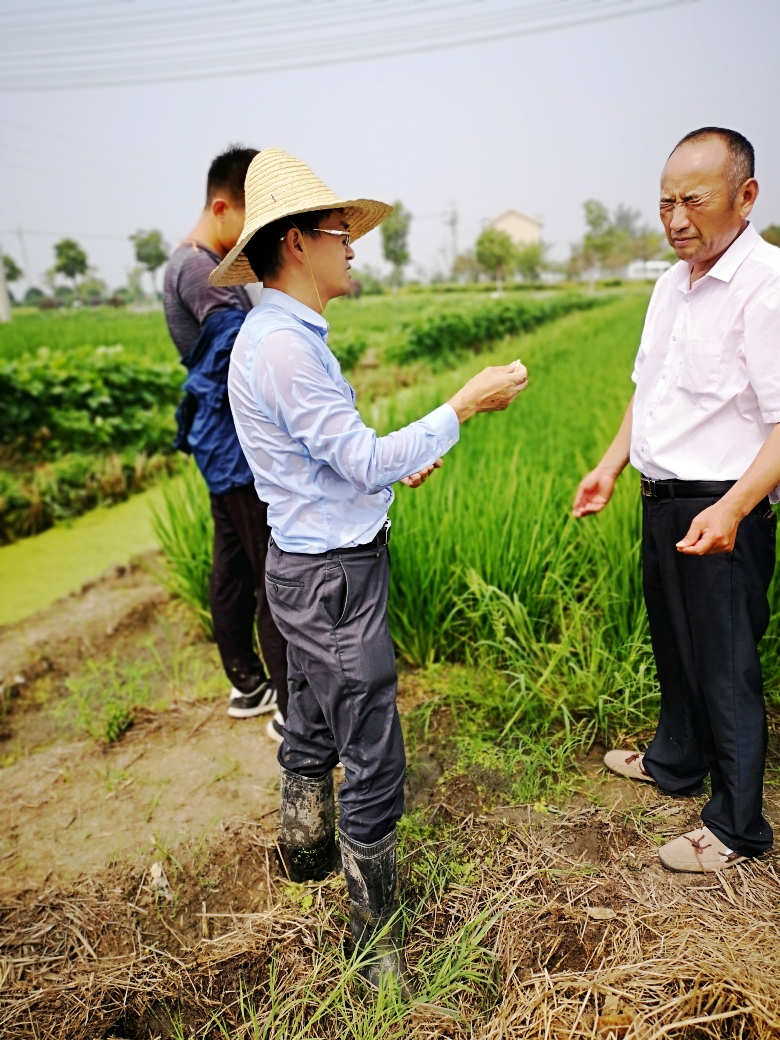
[575,950]
[278,185]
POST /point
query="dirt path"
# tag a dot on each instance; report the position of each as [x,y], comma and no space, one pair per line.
[73,803]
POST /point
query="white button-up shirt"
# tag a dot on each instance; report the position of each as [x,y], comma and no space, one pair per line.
[708,369]
[325,475]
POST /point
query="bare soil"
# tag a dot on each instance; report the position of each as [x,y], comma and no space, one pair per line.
[74,804]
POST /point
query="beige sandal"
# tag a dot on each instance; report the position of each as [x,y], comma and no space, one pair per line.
[628,763]
[698,852]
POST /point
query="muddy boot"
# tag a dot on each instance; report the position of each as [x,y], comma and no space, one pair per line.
[370,872]
[308,825]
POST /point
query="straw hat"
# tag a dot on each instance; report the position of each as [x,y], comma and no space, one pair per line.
[278,185]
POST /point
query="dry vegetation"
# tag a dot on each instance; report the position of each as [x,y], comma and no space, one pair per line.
[540,925]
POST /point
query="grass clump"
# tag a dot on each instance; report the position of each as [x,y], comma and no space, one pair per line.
[105,699]
[185,530]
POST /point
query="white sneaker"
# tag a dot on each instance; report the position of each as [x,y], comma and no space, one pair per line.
[246,705]
[275,728]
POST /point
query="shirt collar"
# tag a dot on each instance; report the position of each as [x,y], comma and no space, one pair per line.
[288,303]
[725,269]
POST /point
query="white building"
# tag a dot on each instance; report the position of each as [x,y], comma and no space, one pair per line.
[522,229]
[646,270]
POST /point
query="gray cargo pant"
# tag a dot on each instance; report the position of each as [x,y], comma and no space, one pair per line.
[332,610]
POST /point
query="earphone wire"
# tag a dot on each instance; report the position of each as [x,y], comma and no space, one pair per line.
[311,271]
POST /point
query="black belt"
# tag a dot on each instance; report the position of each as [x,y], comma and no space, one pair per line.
[379,541]
[685,488]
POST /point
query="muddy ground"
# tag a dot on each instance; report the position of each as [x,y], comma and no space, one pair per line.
[139,876]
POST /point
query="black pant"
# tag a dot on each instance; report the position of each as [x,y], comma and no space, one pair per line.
[707,615]
[332,608]
[237,592]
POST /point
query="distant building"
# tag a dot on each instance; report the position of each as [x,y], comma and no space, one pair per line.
[646,270]
[522,229]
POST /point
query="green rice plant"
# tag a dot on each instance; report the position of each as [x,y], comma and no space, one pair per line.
[185,531]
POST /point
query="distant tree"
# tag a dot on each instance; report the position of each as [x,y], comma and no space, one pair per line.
[529,261]
[395,234]
[466,267]
[135,287]
[91,290]
[611,242]
[770,234]
[496,253]
[151,250]
[70,260]
[13,271]
[33,296]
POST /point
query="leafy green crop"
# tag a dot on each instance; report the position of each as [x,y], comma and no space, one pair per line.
[54,402]
[441,337]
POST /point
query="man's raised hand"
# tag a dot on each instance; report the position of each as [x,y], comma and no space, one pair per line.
[492,390]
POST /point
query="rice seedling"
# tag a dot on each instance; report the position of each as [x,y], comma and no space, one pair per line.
[185,531]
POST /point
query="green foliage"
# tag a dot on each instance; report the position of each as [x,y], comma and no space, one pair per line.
[770,234]
[69,259]
[143,336]
[33,296]
[185,530]
[104,701]
[611,242]
[12,270]
[495,253]
[529,261]
[443,336]
[55,402]
[151,251]
[395,235]
[349,348]
[33,499]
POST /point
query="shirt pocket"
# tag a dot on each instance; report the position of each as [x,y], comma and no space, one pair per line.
[701,367]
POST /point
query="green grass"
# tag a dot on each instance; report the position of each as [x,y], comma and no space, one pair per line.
[144,336]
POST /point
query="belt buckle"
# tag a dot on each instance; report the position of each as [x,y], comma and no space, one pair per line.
[648,487]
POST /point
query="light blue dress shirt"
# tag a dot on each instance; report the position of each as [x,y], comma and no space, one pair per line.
[324,474]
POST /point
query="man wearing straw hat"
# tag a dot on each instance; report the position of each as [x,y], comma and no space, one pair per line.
[327,480]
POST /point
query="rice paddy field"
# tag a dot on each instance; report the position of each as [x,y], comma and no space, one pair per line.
[532,900]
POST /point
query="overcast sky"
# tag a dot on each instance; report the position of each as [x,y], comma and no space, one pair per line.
[538,123]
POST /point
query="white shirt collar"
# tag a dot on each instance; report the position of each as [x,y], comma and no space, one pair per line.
[292,306]
[725,269]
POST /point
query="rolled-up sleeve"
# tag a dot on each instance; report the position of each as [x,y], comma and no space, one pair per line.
[292,384]
[762,353]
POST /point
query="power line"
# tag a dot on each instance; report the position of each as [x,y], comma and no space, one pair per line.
[91,45]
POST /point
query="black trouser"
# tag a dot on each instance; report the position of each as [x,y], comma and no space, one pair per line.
[332,608]
[707,615]
[237,594]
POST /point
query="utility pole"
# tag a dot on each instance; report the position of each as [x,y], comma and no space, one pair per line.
[25,258]
[452,223]
[5,303]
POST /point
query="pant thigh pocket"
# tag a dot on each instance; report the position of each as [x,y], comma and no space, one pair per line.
[276,582]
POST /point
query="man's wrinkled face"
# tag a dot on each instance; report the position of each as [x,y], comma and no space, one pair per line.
[330,258]
[698,210]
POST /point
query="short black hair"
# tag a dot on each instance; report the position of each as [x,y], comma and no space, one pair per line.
[227,173]
[743,155]
[264,248]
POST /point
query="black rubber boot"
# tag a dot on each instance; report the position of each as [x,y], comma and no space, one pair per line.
[308,825]
[370,872]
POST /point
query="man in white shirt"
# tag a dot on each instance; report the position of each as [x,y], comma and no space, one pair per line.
[702,429]
[327,480]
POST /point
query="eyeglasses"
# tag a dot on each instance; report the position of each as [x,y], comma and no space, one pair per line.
[327,231]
